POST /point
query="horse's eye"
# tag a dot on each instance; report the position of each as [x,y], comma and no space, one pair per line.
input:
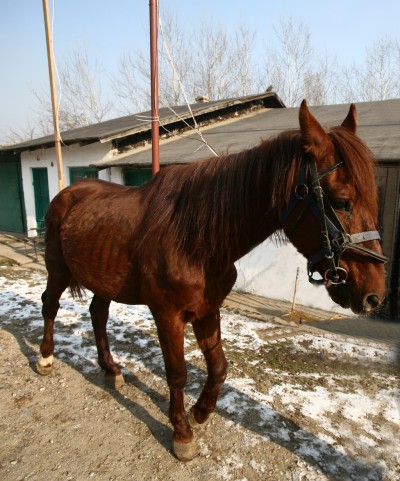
[342,204]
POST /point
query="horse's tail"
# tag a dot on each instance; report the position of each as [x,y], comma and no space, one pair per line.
[54,256]
[76,289]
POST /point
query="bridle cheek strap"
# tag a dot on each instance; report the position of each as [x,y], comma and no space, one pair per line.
[335,240]
[340,245]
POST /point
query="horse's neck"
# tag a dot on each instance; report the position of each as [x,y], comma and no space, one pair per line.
[260,219]
[222,208]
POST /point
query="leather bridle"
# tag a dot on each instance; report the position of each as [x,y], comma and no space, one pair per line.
[335,239]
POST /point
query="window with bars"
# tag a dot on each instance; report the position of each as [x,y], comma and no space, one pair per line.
[77,173]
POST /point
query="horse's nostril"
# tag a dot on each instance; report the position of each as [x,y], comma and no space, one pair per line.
[371,302]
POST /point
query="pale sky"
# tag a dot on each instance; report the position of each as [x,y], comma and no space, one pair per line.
[341,29]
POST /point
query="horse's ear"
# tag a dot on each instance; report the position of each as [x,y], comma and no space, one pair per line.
[315,139]
[350,122]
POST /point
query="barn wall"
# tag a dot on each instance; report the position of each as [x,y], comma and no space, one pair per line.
[388,179]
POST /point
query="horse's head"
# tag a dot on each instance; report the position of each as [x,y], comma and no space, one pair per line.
[333,213]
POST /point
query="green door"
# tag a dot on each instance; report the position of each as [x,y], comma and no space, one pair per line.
[137,177]
[12,211]
[41,192]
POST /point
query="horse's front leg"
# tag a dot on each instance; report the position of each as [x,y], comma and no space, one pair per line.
[208,335]
[171,336]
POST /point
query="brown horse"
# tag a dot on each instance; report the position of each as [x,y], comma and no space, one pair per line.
[172,244]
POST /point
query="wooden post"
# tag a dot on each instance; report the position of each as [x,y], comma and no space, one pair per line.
[295,291]
[155,124]
[50,59]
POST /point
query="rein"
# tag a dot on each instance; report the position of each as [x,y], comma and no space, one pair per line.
[335,239]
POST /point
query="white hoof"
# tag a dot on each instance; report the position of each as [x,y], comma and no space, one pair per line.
[192,420]
[44,365]
[185,451]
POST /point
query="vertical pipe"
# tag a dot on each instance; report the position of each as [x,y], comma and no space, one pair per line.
[155,139]
[50,60]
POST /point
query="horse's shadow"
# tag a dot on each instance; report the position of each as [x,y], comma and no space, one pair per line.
[258,418]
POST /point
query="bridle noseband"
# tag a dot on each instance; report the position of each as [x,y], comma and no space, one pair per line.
[335,239]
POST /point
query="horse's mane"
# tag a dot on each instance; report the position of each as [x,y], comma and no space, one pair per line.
[204,208]
[360,164]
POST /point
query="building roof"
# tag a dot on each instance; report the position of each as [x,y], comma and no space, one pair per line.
[225,129]
[141,123]
[379,127]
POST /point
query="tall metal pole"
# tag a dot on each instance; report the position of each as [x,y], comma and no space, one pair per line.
[50,59]
[155,137]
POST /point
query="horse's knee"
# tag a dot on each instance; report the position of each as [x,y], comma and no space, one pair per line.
[218,371]
[50,312]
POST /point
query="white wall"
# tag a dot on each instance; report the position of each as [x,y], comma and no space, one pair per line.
[270,271]
[73,156]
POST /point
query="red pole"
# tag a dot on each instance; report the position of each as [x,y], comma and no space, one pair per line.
[155,137]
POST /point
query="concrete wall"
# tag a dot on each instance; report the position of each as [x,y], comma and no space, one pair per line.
[269,270]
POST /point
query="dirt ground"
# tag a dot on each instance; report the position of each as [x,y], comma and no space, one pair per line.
[69,426]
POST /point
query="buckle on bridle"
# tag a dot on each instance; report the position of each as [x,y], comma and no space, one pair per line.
[301,190]
[336,276]
[340,243]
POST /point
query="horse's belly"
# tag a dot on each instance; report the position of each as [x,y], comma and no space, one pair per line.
[103,266]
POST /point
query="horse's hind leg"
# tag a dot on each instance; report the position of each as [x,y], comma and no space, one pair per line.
[99,309]
[208,335]
[56,285]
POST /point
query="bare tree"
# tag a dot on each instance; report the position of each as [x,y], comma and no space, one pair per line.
[13,136]
[174,46]
[377,78]
[215,66]
[319,83]
[81,101]
[347,85]
[245,73]
[214,62]
[132,84]
[287,64]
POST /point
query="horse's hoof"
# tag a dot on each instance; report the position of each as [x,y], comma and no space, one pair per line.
[192,420]
[193,423]
[114,382]
[44,365]
[185,451]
